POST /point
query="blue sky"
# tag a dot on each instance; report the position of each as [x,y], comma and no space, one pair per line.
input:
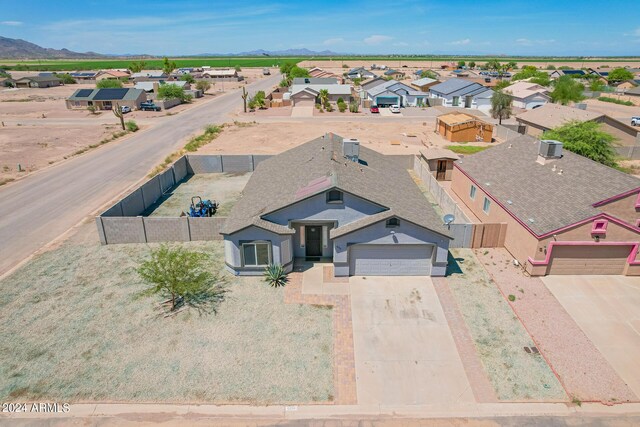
[176,27]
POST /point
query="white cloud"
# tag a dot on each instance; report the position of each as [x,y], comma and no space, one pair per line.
[376,39]
[401,44]
[330,42]
[461,42]
[634,33]
[11,23]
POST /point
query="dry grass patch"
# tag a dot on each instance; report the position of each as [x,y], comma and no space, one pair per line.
[74,330]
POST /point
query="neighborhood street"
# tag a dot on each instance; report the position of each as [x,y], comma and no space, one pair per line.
[40,207]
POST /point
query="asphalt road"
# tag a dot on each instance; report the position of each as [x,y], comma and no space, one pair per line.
[42,206]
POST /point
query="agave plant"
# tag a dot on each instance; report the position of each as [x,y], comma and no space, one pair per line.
[275,275]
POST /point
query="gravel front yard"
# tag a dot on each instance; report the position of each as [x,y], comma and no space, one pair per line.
[225,188]
[499,336]
[74,330]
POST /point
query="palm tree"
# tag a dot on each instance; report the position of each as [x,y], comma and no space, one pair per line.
[324,97]
[501,106]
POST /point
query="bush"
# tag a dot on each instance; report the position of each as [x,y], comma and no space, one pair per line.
[340,100]
[342,107]
[353,106]
[615,101]
[203,86]
[91,109]
[66,78]
[131,126]
[187,78]
[237,68]
[275,276]
[108,84]
[171,91]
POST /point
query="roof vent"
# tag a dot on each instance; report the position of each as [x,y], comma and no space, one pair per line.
[351,149]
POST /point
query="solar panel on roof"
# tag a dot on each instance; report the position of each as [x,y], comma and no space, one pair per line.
[109,94]
[83,93]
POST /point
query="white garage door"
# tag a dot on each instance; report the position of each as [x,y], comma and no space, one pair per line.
[390,260]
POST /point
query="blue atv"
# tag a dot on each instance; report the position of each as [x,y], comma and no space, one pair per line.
[202,208]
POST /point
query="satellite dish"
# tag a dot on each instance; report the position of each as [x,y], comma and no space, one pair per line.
[448,219]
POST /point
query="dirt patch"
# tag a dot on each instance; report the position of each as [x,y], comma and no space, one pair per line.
[73,330]
[499,336]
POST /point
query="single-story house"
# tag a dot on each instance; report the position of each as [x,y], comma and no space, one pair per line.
[330,199]
[629,84]
[105,99]
[7,82]
[550,116]
[395,93]
[528,95]
[219,73]
[314,81]
[462,127]
[320,73]
[424,84]
[307,94]
[633,92]
[151,75]
[394,74]
[84,75]
[152,87]
[112,75]
[360,73]
[372,83]
[559,73]
[38,81]
[440,162]
[459,92]
[565,214]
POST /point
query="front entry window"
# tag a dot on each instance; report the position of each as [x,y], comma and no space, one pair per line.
[256,254]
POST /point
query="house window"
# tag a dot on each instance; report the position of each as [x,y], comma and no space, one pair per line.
[599,227]
[334,196]
[256,254]
[486,205]
[472,192]
[393,222]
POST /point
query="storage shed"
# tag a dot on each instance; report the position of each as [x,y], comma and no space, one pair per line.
[462,127]
[440,162]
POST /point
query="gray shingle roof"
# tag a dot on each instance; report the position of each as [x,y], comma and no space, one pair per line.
[550,116]
[542,199]
[109,94]
[459,87]
[281,181]
[334,89]
[41,79]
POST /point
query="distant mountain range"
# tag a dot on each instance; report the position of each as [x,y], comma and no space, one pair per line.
[21,49]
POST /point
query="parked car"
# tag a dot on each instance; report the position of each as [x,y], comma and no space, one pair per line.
[374,109]
[125,109]
[635,121]
[394,108]
[149,106]
[266,72]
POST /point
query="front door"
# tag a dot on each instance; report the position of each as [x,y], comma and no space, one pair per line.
[313,240]
[442,170]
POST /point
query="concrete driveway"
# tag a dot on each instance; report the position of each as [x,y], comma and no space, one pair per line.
[404,351]
[607,309]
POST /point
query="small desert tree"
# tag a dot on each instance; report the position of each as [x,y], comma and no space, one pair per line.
[203,86]
[181,275]
[171,91]
[168,66]
[66,78]
[188,78]
[501,104]
[586,139]
[109,84]
[472,64]
[429,74]
[136,67]
[566,90]
[619,75]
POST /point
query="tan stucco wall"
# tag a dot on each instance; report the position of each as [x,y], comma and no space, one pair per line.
[518,241]
[624,208]
[433,168]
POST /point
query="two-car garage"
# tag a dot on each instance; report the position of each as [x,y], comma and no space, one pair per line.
[589,259]
[390,260]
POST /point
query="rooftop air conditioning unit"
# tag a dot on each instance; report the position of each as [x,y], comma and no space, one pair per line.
[550,149]
[351,149]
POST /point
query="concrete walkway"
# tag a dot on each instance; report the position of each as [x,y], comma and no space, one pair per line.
[404,350]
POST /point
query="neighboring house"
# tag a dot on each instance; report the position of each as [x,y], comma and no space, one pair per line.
[440,162]
[7,82]
[320,73]
[394,74]
[462,127]
[527,95]
[565,214]
[307,94]
[395,93]
[81,76]
[424,84]
[559,73]
[629,84]
[38,82]
[462,93]
[105,99]
[360,73]
[550,116]
[112,75]
[145,76]
[152,87]
[372,83]
[314,81]
[330,199]
[229,74]
[633,92]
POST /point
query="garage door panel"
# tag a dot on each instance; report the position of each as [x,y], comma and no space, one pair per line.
[390,260]
[590,259]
